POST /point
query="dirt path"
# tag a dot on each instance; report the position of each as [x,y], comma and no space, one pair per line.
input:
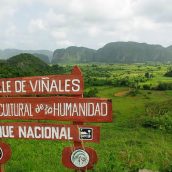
[121,93]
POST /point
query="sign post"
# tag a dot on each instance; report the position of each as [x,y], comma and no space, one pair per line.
[52,107]
[76,144]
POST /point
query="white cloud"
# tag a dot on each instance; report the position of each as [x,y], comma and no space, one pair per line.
[51,24]
[156,10]
[64,43]
[55,18]
[59,35]
[93,31]
[37,25]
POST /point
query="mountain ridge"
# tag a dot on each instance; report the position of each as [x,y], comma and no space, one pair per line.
[113,52]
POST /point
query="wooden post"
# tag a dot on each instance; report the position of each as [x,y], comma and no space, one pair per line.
[76,70]
[78,144]
[2,168]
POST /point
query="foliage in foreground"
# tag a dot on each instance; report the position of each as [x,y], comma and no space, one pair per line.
[159,115]
[27,65]
[139,136]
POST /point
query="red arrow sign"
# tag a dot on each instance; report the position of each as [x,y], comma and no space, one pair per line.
[42,131]
[5,152]
[51,84]
[56,108]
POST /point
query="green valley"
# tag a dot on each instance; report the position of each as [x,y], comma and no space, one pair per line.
[140,136]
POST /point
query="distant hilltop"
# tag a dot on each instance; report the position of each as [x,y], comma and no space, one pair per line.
[114,52]
[44,55]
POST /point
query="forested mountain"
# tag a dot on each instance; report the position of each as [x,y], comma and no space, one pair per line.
[44,55]
[26,65]
[169,50]
[73,55]
[115,52]
[130,52]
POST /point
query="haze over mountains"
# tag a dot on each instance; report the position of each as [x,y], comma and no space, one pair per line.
[44,55]
[114,52]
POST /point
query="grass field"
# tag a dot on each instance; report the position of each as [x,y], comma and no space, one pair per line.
[125,146]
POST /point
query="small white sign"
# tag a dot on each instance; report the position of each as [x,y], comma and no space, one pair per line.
[80,158]
[86,133]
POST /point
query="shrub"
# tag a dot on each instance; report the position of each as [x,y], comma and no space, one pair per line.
[169,72]
[164,86]
[146,87]
[133,92]
[148,75]
[91,93]
[158,116]
[156,109]
[159,122]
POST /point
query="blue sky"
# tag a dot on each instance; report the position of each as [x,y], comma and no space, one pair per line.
[52,24]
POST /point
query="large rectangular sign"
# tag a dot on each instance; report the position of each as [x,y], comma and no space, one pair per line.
[56,108]
[51,84]
[42,131]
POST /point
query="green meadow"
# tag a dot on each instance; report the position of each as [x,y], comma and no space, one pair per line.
[140,136]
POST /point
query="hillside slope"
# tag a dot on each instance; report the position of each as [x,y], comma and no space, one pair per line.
[73,55]
[114,52]
[23,65]
[130,52]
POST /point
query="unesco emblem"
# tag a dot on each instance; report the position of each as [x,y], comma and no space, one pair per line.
[80,158]
[1,153]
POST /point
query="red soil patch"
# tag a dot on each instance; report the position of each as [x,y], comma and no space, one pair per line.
[121,93]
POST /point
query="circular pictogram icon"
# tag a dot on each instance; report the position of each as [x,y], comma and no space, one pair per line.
[1,153]
[80,158]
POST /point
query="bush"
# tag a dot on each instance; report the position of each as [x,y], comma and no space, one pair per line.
[91,93]
[164,86]
[148,75]
[156,109]
[169,72]
[146,87]
[159,122]
[158,116]
[133,92]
